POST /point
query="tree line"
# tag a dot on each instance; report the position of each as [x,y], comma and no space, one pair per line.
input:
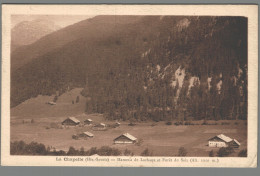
[34,148]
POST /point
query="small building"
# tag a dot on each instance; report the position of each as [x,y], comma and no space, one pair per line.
[100,125]
[223,141]
[86,135]
[88,122]
[71,121]
[125,139]
[234,144]
[117,124]
[51,103]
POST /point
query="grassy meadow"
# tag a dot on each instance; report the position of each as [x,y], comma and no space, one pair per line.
[159,138]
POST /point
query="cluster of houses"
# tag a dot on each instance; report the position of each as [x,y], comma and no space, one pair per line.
[219,141]
[72,121]
[125,138]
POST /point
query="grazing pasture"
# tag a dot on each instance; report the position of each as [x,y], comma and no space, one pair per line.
[159,138]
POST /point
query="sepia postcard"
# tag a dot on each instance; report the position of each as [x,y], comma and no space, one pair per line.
[129,85]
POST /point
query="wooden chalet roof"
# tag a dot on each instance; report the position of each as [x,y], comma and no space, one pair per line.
[100,124]
[223,138]
[88,134]
[74,119]
[236,142]
[51,103]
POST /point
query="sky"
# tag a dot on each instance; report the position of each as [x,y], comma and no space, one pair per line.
[60,20]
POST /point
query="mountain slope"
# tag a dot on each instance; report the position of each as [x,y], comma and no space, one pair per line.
[70,62]
[153,67]
[27,32]
[90,29]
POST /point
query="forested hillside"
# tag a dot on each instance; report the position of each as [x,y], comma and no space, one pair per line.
[146,67]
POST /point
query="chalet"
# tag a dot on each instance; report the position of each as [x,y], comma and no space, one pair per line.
[88,122]
[125,139]
[100,125]
[86,135]
[51,103]
[71,121]
[223,141]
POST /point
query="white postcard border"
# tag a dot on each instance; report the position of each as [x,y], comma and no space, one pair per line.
[249,11]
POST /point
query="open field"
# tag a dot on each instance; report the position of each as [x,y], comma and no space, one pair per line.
[37,107]
[161,139]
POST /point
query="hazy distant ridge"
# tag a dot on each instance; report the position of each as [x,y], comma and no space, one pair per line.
[27,32]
